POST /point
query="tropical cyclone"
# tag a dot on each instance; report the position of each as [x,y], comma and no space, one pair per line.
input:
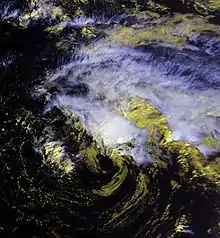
[58,180]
